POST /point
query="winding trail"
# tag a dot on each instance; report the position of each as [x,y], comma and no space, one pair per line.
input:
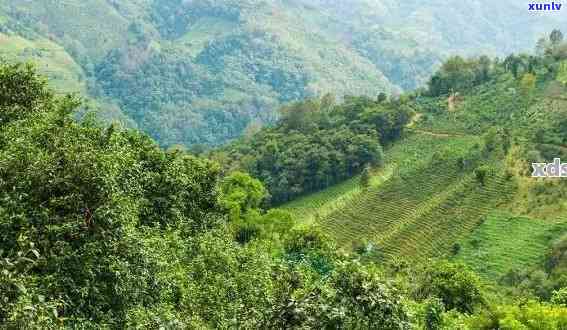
[415,119]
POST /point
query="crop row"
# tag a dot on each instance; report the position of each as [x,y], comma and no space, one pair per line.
[422,211]
[504,242]
[450,219]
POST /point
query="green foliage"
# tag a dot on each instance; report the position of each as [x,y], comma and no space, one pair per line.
[389,120]
[316,144]
[241,193]
[89,193]
[274,226]
[314,206]
[354,297]
[174,17]
[559,297]
[22,92]
[434,314]
[551,280]
[368,303]
[556,258]
[100,228]
[504,242]
[458,75]
[365,177]
[562,73]
[457,287]
[50,58]
[427,205]
[528,82]
[22,305]
[482,173]
[532,315]
[198,72]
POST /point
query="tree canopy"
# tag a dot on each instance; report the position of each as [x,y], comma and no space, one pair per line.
[318,143]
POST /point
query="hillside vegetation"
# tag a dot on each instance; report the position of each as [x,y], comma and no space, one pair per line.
[504,243]
[317,143]
[457,185]
[384,210]
[467,151]
[102,228]
[202,72]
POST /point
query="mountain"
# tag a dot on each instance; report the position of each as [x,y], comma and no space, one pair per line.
[445,227]
[203,71]
[455,182]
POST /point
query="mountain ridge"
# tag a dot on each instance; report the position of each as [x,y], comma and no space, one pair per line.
[202,71]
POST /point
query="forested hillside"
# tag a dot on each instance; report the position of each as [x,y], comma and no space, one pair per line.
[201,72]
[281,164]
[102,228]
[318,143]
[453,183]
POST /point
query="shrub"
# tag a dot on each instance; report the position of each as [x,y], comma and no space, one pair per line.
[559,297]
[457,287]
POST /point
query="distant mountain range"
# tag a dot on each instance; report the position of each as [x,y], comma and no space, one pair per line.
[202,71]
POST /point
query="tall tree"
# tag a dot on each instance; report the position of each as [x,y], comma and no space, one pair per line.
[556,37]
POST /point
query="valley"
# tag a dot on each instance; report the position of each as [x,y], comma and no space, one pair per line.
[200,73]
[294,164]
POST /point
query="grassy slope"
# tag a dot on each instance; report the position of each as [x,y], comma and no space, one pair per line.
[425,215]
[95,24]
[405,215]
[412,150]
[63,73]
[337,66]
[504,242]
[51,59]
[423,210]
[314,207]
[502,103]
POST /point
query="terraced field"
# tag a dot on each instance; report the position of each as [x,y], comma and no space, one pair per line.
[309,207]
[414,149]
[431,201]
[440,221]
[505,242]
[51,59]
[319,205]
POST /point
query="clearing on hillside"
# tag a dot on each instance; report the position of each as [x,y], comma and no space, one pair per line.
[415,149]
[433,199]
[504,242]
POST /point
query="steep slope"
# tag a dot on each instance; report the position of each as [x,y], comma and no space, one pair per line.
[51,59]
[462,182]
[504,242]
[199,72]
[430,202]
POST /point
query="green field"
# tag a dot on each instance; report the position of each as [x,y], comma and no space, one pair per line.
[419,205]
[316,206]
[504,242]
[65,75]
[412,150]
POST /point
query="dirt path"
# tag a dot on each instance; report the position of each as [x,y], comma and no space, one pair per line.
[443,135]
[417,117]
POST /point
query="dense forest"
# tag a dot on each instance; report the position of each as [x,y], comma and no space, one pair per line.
[102,228]
[317,143]
[202,72]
